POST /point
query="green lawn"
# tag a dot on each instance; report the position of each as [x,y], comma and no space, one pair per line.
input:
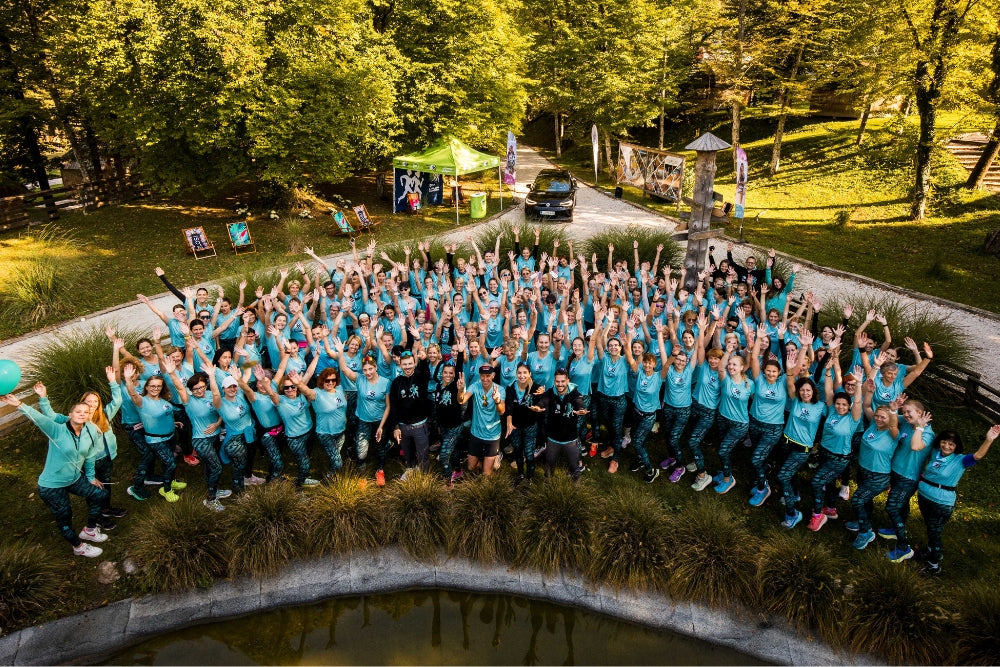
[823,172]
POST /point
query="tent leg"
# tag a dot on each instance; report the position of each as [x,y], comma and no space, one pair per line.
[455,197]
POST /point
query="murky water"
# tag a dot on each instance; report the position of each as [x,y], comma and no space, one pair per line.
[426,628]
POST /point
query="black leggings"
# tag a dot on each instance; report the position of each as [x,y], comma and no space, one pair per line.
[58,502]
[572,452]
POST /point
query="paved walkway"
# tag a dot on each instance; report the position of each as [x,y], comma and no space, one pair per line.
[595,212]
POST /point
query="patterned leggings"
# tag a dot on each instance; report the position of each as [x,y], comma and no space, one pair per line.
[732,433]
[272,445]
[612,415]
[786,476]
[581,423]
[449,438]
[236,450]
[824,491]
[523,441]
[871,484]
[297,445]
[205,447]
[331,445]
[935,516]
[703,420]
[897,506]
[642,425]
[764,437]
[366,442]
[58,502]
[103,469]
[674,421]
[163,450]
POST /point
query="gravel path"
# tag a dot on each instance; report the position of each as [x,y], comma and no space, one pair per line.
[595,211]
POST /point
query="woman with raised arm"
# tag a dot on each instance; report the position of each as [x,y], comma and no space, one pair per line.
[835,445]
[705,397]
[235,412]
[645,401]
[611,388]
[767,413]
[372,408]
[157,415]
[487,408]
[936,493]
[678,375]
[734,420]
[69,469]
[875,462]
[271,427]
[330,406]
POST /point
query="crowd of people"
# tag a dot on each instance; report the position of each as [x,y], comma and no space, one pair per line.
[537,359]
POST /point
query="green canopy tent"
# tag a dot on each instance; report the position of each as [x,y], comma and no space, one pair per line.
[451,157]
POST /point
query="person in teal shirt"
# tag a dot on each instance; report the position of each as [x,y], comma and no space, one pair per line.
[875,462]
[267,417]
[330,406]
[580,369]
[645,403]
[157,415]
[612,385]
[236,415]
[372,408]
[912,450]
[487,408]
[678,397]
[293,409]
[735,394]
[936,493]
[705,401]
[69,469]
[767,413]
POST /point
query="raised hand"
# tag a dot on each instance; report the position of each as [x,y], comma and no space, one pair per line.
[169,366]
[880,318]
[128,372]
[848,311]
[40,389]
[928,352]
[910,345]
[109,372]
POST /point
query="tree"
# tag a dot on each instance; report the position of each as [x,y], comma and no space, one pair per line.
[992,147]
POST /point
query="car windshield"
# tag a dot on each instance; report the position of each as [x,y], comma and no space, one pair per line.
[546,183]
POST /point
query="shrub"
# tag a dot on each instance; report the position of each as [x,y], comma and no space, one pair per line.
[947,338]
[800,579]
[344,516]
[396,252]
[417,510]
[978,637]
[622,239]
[257,274]
[843,217]
[30,582]
[714,554]
[483,519]
[629,545]
[265,529]
[556,524]
[486,238]
[179,545]
[74,362]
[893,611]
[33,292]
[296,233]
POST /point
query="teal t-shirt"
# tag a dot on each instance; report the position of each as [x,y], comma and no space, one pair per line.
[884,395]
[647,391]
[734,398]
[876,450]
[580,373]
[508,370]
[485,413]
[769,400]
[296,416]
[679,387]
[707,387]
[371,398]
[331,411]
[803,422]
[613,380]
[236,414]
[946,471]
[202,414]
[157,419]
[267,413]
[838,432]
[543,369]
[905,461]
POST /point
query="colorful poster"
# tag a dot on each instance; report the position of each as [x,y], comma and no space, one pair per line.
[510,169]
[742,171]
[406,182]
[595,140]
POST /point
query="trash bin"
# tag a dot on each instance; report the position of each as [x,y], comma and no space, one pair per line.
[477,204]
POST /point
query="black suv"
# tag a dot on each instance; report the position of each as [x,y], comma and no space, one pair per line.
[552,195]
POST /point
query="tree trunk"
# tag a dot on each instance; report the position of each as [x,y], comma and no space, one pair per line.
[780,131]
[662,116]
[926,97]
[986,159]
[558,136]
[736,100]
[93,149]
[864,122]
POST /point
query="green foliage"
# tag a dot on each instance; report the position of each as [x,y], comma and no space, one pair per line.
[265,529]
[714,554]
[179,545]
[486,238]
[344,516]
[800,579]
[260,273]
[555,527]
[33,293]
[33,285]
[623,241]
[842,217]
[416,513]
[949,341]
[894,612]
[630,545]
[397,253]
[977,641]
[30,583]
[295,233]
[483,521]
[74,362]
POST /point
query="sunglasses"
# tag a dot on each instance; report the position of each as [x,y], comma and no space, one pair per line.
[405,353]
[199,386]
[330,381]
[290,387]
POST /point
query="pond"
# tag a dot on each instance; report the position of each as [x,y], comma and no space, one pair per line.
[427,627]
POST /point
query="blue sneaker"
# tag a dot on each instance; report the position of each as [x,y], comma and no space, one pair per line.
[758,496]
[864,539]
[887,533]
[723,486]
[797,499]
[717,477]
[899,555]
[852,526]
[792,521]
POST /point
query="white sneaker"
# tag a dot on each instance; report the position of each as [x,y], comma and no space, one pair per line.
[845,492]
[691,467]
[88,550]
[93,534]
[701,483]
[406,473]
[222,494]
[213,505]
[309,481]
[625,441]
[253,480]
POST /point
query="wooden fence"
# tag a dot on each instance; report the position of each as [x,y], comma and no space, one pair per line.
[42,205]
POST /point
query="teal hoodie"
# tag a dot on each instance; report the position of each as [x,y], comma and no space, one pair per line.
[69,455]
[110,440]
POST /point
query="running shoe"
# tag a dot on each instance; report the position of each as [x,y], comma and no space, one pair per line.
[651,476]
[817,521]
[887,533]
[758,495]
[170,496]
[93,534]
[792,521]
[723,486]
[132,491]
[931,569]
[864,539]
[380,477]
[593,449]
[407,473]
[691,467]
[899,555]
[88,550]
[253,480]
[309,481]
[676,475]
[222,494]
[830,513]
[667,463]
[178,485]
[625,441]
[701,483]
[455,476]
[636,467]
[192,460]
[107,523]
[608,453]
[845,492]
[613,467]
[114,512]
[852,526]
[213,505]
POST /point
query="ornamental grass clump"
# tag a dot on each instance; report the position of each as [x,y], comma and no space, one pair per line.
[74,362]
[257,273]
[486,238]
[629,545]
[179,545]
[977,641]
[483,520]
[266,529]
[894,612]
[30,583]
[344,516]
[800,579]
[555,526]
[623,239]
[714,555]
[416,512]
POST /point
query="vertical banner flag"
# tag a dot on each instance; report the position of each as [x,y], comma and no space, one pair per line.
[510,170]
[741,183]
[595,140]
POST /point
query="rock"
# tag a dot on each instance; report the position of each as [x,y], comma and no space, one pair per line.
[107,573]
[129,566]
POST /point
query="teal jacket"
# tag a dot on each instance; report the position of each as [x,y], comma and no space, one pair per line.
[69,456]
[110,440]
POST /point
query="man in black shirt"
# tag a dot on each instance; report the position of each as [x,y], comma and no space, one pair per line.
[409,407]
[563,405]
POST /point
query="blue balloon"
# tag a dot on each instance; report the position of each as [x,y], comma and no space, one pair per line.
[10,376]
